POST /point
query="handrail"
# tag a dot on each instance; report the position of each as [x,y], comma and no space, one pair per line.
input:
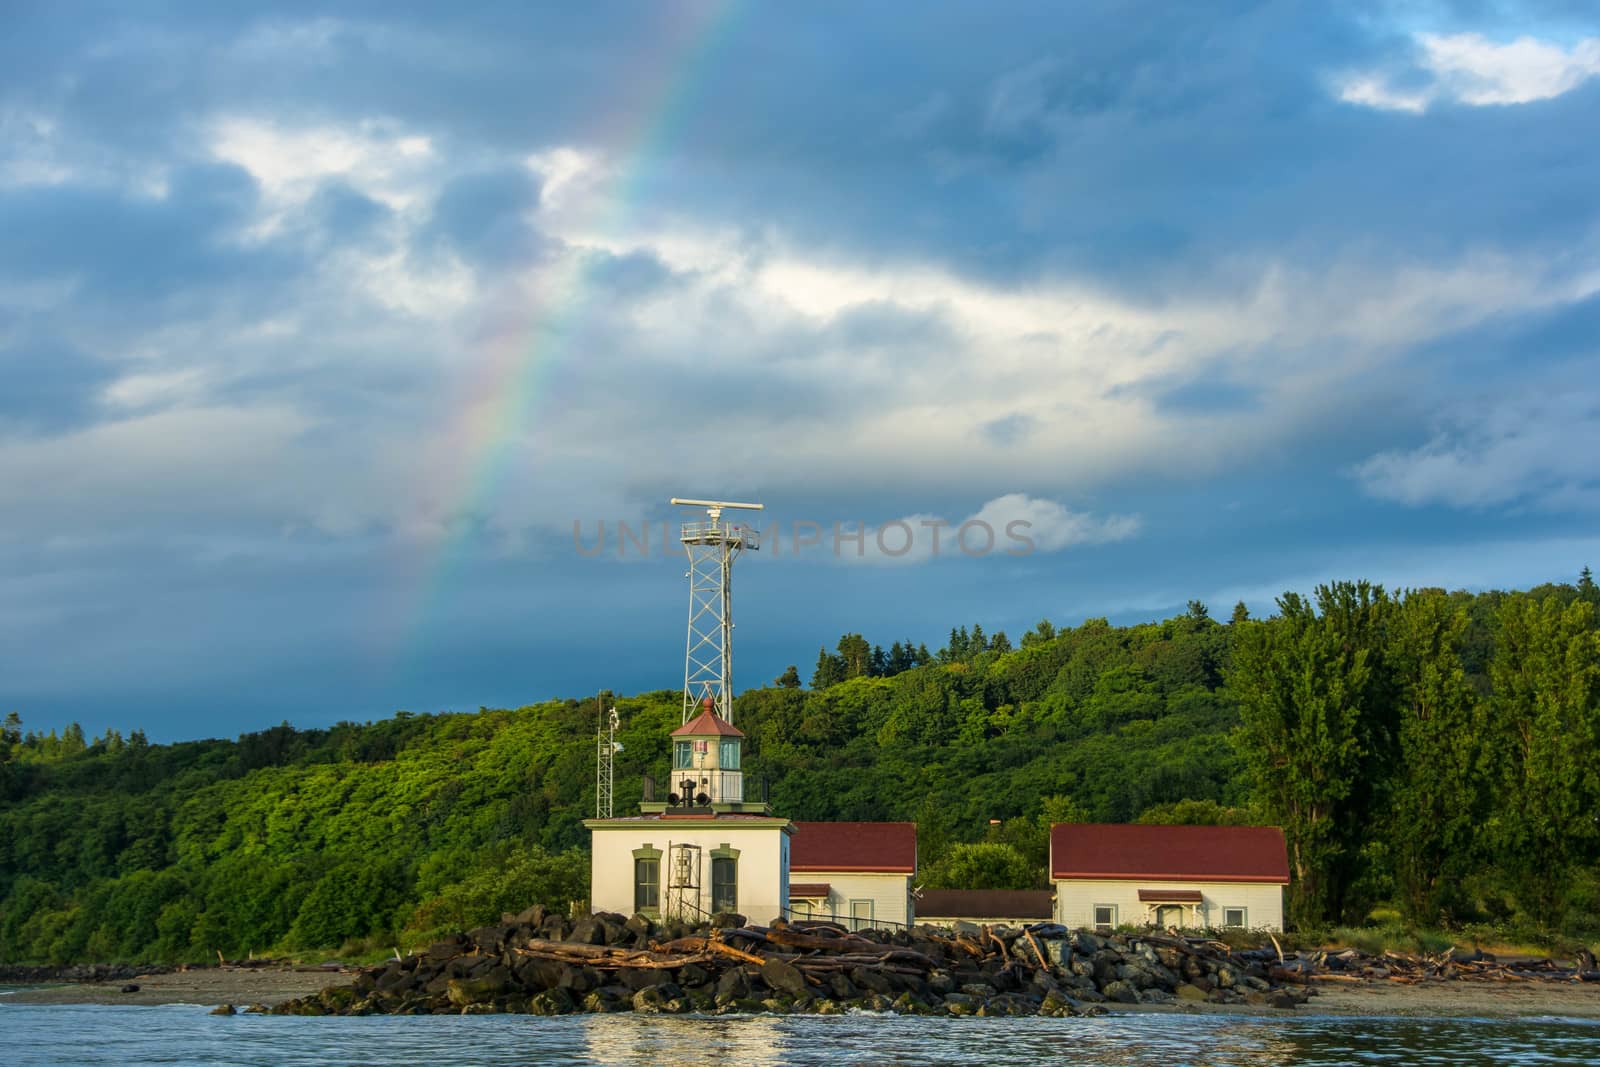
[846,921]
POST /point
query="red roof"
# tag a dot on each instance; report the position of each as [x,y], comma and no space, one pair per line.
[707,723]
[1169,853]
[809,890]
[879,847]
[985,904]
[1170,896]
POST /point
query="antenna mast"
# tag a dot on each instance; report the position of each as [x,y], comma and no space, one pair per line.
[712,545]
[606,749]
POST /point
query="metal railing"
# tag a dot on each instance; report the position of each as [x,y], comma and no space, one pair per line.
[848,922]
[718,532]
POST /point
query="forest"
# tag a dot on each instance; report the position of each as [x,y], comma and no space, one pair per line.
[1433,755]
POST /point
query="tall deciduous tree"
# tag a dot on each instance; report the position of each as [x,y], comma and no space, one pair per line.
[1546,735]
[1311,695]
[1437,793]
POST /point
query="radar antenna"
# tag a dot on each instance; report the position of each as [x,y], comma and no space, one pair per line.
[712,545]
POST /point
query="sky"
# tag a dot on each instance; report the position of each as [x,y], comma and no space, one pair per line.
[330,335]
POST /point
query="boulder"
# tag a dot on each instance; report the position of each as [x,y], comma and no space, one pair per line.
[447,948]
[588,930]
[641,927]
[733,985]
[961,1004]
[645,977]
[871,980]
[556,1001]
[1189,992]
[1120,991]
[664,998]
[464,991]
[224,1009]
[784,978]
[728,920]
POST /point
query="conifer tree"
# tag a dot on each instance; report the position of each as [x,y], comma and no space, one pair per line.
[830,670]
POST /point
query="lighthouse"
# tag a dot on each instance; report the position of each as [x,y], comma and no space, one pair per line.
[705,847]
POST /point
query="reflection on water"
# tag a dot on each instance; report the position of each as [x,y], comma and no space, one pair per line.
[36,1035]
[624,1040]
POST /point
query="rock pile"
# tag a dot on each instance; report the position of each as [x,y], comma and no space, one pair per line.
[546,964]
[79,972]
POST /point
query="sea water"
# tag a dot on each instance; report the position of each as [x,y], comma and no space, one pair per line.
[183,1034]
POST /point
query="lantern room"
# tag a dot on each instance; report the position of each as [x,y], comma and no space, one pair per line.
[706,774]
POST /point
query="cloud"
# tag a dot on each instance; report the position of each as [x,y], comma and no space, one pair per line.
[46,384]
[1468,68]
[1014,525]
[1530,450]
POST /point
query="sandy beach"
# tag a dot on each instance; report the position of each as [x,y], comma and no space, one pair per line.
[242,987]
[239,986]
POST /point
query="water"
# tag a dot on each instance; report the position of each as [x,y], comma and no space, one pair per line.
[183,1034]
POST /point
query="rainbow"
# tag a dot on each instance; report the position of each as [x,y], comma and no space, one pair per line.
[519,358]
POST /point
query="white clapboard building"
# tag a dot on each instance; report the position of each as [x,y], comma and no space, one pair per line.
[1188,877]
[706,848]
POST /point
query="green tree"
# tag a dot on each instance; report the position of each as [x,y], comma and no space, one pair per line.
[789,679]
[982,865]
[1195,813]
[1436,791]
[829,672]
[1546,735]
[1310,699]
[1241,613]
[855,655]
[1043,632]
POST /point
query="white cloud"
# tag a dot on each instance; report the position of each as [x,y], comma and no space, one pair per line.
[1468,68]
[1014,525]
[1537,451]
[290,162]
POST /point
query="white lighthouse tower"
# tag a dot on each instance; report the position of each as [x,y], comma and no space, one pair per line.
[704,847]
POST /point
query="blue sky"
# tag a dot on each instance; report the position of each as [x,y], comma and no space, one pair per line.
[321,326]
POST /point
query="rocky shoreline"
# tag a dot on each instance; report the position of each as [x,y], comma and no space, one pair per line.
[27,974]
[544,964]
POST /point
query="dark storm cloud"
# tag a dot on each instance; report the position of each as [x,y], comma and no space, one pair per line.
[47,385]
[483,217]
[344,216]
[129,247]
[1164,154]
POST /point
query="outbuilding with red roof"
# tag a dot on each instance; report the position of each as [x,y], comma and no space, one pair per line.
[855,873]
[1189,877]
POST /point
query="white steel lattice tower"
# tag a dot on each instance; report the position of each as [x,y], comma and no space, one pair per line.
[606,749]
[712,545]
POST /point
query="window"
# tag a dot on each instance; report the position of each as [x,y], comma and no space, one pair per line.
[646,883]
[728,757]
[1105,917]
[860,914]
[724,884]
[702,747]
[680,755]
[1234,917]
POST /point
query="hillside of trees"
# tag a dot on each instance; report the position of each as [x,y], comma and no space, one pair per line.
[1438,753]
